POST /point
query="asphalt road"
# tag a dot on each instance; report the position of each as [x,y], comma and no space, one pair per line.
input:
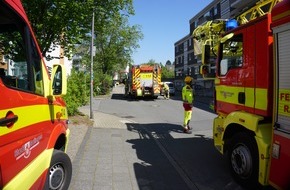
[143,147]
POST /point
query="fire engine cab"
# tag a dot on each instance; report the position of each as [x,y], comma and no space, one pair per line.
[252,92]
[33,117]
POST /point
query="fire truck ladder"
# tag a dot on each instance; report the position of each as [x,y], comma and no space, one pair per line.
[261,8]
[209,33]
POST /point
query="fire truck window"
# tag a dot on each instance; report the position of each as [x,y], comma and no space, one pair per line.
[18,57]
[232,54]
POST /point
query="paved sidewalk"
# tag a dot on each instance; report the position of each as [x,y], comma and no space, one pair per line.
[100,162]
[105,156]
[78,131]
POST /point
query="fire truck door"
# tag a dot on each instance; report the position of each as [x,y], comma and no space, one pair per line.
[231,90]
[146,79]
[280,163]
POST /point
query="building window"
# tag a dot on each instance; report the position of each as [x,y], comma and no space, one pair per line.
[185,46]
[207,16]
[189,71]
[196,70]
[215,10]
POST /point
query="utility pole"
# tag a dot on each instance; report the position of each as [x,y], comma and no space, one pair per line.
[92,72]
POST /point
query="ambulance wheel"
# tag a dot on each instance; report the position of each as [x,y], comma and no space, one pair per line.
[60,171]
[243,160]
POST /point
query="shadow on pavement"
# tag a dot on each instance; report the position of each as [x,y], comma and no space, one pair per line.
[117,96]
[167,165]
[198,104]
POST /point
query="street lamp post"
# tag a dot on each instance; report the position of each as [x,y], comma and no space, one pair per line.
[91,71]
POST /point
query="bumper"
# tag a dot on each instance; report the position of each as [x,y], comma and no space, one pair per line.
[218,132]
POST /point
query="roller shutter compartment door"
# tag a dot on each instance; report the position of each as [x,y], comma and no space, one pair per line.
[283,58]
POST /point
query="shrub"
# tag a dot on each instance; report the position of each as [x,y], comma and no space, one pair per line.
[78,91]
[102,84]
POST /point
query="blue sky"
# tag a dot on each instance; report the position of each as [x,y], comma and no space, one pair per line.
[163,22]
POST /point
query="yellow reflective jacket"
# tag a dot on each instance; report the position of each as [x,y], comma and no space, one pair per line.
[165,87]
[187,94]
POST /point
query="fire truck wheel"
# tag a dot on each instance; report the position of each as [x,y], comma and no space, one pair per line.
[243,160]
[60,171]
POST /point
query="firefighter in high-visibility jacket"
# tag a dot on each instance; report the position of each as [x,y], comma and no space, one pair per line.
[187,98]
[165,89]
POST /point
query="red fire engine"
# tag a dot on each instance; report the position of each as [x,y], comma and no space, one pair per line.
[33,117]
[252,94]
[279,176]
[143,80]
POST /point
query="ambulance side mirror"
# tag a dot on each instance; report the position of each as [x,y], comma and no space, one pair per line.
[59,81]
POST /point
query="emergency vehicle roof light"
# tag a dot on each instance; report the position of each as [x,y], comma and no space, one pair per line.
[231,24]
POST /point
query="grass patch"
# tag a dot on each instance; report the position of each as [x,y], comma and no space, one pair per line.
[81,119]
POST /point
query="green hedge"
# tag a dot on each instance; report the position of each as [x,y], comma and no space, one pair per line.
[78,89]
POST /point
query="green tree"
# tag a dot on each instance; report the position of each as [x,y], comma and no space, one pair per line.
[150,62]
[67,23]
[58,22]
[167,73]
[168,62]
[115,44]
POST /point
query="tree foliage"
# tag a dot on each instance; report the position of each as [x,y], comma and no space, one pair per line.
[168,62]
[115,44]
[67,23]
[58,22]
[166,73]
[150,62]
[78,91]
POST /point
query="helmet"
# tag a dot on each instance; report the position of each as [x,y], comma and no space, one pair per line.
[187,79]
